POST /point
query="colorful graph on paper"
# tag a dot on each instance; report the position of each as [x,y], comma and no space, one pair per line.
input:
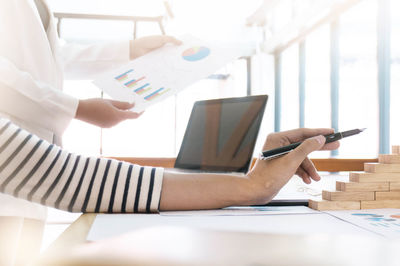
[165,71]
[140,86]
[385,222]
[196,53]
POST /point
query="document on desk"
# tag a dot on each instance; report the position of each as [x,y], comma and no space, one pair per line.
[165,71]
[245,211]
[109,225]
[385,222]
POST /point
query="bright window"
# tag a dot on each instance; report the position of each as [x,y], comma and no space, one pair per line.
[317,101]
[317,106]
[290,88]
[395,74]
[358,102]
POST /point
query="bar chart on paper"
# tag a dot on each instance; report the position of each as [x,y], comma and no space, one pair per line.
[139,85]
[164,72]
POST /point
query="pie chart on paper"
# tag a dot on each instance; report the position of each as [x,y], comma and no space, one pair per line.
[196,53]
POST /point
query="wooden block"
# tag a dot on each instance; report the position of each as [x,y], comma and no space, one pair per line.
[354,186]
[374,177]
[394,186]
[380,204]
[387,195]
[325,205]
[389,158]
[347,196]
[381,168]
[395,149]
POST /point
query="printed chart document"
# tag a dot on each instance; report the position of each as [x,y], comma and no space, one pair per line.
[384,222]
[108,225]
[245,211]
[164,72]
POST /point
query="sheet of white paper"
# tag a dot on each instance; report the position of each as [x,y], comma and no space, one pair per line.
[245,211]
[385,222]
[109,225]
[165,71]
[297,189]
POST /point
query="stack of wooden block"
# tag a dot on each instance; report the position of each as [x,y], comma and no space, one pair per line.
[377,187]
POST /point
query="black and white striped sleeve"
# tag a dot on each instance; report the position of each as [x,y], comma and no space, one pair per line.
[33,169]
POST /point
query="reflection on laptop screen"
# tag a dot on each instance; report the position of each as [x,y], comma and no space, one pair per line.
[221,134]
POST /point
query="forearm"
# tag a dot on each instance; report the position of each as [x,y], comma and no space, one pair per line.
[190,191]
[33,169]
[87,61]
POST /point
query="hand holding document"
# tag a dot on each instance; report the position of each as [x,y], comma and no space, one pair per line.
[164,72]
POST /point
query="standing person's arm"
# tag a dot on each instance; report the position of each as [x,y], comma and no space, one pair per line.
[83,61]
[88,61]
[27,99]
[34,170]
[29,60]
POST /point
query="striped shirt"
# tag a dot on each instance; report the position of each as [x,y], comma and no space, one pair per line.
[35,170]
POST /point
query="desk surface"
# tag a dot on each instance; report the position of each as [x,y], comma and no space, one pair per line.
[190,246]
[169,245]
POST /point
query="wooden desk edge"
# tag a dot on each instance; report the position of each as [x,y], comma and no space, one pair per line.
[325,164]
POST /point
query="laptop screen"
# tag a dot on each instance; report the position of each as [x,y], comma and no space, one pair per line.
[221,134]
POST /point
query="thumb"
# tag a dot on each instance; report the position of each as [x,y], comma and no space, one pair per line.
[130,115]
[122,105]
[298,155]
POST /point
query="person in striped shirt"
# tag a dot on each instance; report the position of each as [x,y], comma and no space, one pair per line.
[35,170]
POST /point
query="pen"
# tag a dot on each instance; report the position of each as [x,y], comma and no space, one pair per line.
[274,153]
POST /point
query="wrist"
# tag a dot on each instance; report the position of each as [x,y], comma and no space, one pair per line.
[260,189]
[81,110]
[249,192]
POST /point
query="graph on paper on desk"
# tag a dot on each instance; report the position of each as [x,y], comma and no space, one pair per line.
[164,72]
[384,222]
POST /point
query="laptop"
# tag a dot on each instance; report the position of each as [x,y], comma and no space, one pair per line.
[221,135]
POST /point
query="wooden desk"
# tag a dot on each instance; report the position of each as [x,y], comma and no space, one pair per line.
[328,164]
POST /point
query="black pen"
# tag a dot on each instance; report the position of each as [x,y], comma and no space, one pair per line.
[274,153]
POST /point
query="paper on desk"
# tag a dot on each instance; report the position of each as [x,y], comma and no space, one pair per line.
[109,225]
[296,189]
[245,211]
[385,222]
[164,72]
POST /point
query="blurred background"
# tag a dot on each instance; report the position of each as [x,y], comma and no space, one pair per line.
[317,60]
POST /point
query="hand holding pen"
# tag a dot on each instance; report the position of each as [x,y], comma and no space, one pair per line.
[310,140]
[277,152]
